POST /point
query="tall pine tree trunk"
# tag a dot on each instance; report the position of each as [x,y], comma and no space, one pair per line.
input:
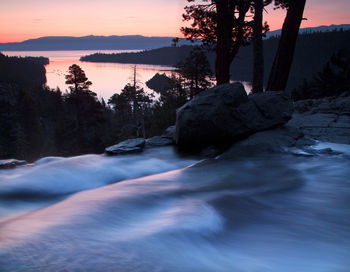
[283,61]
[224,38]
[222,65]
[258,62]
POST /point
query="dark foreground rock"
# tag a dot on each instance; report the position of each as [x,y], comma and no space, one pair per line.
[158,141]
[126,147]
[225,114]
[11,163]
[169,133]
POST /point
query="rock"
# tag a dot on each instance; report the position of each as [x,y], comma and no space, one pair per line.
[126,147]
[328,105]
[169,133]
[275,107]
[329,127]
[265,142]
[160,83]
[159,141]
[210,152]
[11,163]
[341,105]
[329,151]
[309,120]
[225,114]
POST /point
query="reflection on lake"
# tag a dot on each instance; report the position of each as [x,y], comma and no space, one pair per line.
[106,78]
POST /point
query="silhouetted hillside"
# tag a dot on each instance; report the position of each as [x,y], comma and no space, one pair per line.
[168,56]
[312,29]
[90,43]
[312,52]
[24,71]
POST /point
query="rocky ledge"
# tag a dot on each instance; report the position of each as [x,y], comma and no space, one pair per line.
[314,120]
[326,119]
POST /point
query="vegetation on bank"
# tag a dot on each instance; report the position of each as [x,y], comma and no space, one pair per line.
[36,121]
[332,80]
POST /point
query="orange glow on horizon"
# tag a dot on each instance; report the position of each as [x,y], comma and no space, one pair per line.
[21,20]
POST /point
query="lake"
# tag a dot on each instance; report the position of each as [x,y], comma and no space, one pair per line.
[106,78]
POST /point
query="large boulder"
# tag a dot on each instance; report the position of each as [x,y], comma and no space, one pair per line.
[126,147]
[226,113]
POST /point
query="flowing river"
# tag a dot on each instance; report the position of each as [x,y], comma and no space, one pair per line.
[157,211]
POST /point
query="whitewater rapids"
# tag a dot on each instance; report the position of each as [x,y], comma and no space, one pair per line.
[156,211]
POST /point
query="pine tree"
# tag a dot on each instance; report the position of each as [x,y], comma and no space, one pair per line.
[195,71]
[78,79]
[222,24]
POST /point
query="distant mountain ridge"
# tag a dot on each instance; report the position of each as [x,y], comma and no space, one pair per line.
[322,28]
[127,42]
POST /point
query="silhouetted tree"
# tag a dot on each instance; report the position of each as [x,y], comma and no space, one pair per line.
[77,78]
[87,119]
[258,53]
[175,42]
[284,57]
[131,106]
[195,71]
[221,23]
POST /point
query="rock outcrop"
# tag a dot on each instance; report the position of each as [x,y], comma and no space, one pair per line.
[158,141]
[11,163]
[126,147]
[169,133]
[326,119]
[160,83]
[226,113]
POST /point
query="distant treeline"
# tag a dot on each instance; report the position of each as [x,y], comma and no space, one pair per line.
[23,70]
[167,56]
[313,50]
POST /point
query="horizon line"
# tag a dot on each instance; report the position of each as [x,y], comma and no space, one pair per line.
[140,35]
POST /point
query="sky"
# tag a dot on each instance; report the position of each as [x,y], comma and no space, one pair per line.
[26,19]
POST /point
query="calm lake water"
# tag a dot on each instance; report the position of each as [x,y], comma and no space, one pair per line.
[106,78]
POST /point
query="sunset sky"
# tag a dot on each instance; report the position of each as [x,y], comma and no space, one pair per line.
[25,19]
